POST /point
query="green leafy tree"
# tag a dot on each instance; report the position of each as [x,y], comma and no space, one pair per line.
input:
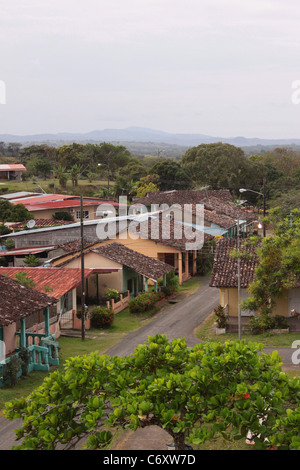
[32,261]
[278,266]
[13,213]
[172,175]
[221,166]
[195,394]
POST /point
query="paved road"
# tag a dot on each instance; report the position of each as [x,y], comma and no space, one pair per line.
[176,321]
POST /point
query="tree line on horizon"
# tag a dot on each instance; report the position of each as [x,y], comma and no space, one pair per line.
[216,165]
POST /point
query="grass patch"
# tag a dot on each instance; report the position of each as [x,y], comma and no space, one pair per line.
[190,286]
[46,185]
[205,332]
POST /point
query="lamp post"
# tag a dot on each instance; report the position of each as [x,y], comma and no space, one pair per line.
[263,194]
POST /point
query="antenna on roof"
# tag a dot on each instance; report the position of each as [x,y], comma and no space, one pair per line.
[30,223]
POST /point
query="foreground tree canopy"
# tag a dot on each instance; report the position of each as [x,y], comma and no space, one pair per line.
[195,394]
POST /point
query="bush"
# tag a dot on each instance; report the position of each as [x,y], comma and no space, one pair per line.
[279,321]
[145,301]
[221,317]
[172,281]
[102,317]
[260,323]
[167,290]
[112,294]
[11,371]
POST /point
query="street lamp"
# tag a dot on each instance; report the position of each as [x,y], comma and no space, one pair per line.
[263,194]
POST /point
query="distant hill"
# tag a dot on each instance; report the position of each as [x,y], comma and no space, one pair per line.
[143,135]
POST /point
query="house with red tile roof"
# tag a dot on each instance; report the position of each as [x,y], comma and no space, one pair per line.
[225,278]
[60,283]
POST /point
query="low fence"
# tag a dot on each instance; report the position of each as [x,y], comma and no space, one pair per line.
[120,305]
[40,356]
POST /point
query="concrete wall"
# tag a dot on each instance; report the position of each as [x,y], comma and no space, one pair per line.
[112,280]
[229,297]
[48,213]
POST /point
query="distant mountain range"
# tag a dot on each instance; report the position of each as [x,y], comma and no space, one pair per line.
[140,134]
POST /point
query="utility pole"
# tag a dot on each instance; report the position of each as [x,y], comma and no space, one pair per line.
[239,280]
[82,272]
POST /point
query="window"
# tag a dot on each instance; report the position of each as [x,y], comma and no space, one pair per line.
[86,214]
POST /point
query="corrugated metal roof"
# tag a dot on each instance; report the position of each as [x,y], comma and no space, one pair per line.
[57,205]
[61,280]
[17,195]
[26,251]
[41,198]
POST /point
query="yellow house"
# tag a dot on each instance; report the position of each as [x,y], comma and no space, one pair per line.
[169,244]
[115,266]
[225,278]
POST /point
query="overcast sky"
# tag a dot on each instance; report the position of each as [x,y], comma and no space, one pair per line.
[216,67]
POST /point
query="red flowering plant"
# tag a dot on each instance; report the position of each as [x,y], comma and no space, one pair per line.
[102,317]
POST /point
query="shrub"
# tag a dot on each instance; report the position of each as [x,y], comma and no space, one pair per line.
[11,371]
[221,317]
[102,317]
[260,323]
[279,321]
[144,301]
[167,290]
[172,281]
[24,356]
[112,294]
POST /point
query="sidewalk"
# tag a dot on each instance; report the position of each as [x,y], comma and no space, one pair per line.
[148,438]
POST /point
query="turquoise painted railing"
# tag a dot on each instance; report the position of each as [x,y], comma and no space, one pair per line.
[41,357]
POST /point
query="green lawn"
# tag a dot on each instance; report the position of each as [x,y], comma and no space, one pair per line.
[28,185]
[206,332]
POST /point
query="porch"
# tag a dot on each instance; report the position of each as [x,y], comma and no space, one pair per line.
[41,348]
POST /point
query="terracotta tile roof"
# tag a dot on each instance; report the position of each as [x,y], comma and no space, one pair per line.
[183,196]
[210,216]
[225,267]
[159,232]
[219,219]
[60,280]
[228,209]
[18,302]
[142,264]
[74,246]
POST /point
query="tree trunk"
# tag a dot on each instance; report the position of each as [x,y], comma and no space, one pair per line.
[179,441]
